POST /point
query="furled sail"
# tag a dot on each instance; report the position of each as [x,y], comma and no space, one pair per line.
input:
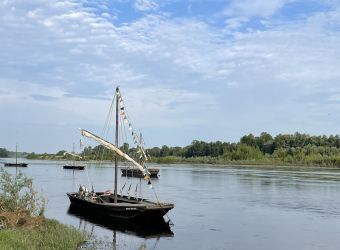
[68,153]
[113,148]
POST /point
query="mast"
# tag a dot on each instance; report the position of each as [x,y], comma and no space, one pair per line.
[16,154]
[16,159]
[73,152]
[116,142]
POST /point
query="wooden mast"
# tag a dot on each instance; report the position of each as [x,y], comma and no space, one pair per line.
[116,142]
[16,154]
[16,159]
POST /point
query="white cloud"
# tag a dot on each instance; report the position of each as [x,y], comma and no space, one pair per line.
[61,60]
[145,5]
[251,8]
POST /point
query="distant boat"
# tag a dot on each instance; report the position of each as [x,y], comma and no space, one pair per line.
[114,205]
[73,166]
[134,172]
[16,164]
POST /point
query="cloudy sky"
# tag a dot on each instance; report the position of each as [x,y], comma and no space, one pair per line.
[206,70]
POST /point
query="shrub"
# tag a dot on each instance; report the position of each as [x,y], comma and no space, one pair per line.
[17,194]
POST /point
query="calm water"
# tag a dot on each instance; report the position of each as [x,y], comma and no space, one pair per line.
[215,207]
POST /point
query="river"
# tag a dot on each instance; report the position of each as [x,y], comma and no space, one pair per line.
[216,207]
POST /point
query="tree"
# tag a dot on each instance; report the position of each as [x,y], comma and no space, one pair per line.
[164,151]
[125,147]
[3,153]
[61,152]
[248,140]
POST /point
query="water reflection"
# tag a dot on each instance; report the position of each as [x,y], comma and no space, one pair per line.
[124,232]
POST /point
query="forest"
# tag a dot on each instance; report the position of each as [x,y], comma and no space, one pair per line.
[282,149]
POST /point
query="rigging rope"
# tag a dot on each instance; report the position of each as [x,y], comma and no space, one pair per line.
[159,203]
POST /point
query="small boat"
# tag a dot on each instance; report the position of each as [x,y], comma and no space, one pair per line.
[134,172]
[16,164]
[113,205]
[73,166]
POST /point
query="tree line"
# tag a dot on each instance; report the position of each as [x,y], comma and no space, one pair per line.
[284,148]
[288,149]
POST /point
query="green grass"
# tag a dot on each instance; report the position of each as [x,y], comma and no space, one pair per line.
[53,235]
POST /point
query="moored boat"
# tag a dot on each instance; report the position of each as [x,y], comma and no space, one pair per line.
[114,205]
[74,167]
[16,164]
[133,172]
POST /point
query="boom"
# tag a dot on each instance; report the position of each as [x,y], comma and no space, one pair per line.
[113,148]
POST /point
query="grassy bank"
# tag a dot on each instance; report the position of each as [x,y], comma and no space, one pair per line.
[326,161]
[52,235]
[265,161]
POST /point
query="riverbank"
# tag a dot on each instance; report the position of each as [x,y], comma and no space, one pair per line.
[265,162]
[51,235]
[332,163]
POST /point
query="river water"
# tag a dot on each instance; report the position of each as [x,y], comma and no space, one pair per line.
[220,207]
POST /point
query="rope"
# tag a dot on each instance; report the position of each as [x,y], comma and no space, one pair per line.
[159,203]
[86,170]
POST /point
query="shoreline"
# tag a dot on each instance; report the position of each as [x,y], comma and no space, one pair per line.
[218,163]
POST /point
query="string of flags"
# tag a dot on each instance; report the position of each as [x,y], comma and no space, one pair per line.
[136,138]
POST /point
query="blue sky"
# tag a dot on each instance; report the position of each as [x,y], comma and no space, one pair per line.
[205,70]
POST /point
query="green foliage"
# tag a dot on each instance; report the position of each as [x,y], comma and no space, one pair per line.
[164,151]
[61,153]
[4,153]
[297,148]
[32,156]
[301,149]
[17,194]
[244,152]
[51,236]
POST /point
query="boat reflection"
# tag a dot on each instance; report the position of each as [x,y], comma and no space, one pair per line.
[144,230]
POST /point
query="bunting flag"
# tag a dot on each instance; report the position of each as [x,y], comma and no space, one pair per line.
[135,137]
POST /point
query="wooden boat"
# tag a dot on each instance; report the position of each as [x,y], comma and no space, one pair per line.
[73,166]
[134,172]
[114,205]
[153,229]
[16,164]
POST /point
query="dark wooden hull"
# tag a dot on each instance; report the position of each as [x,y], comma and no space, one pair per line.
[74,167]
[132,208]
[148,230]
[131,172]
[23,165]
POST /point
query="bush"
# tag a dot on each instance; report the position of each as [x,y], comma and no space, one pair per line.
[17,195]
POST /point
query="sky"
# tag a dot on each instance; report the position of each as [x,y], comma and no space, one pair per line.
[188,70]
